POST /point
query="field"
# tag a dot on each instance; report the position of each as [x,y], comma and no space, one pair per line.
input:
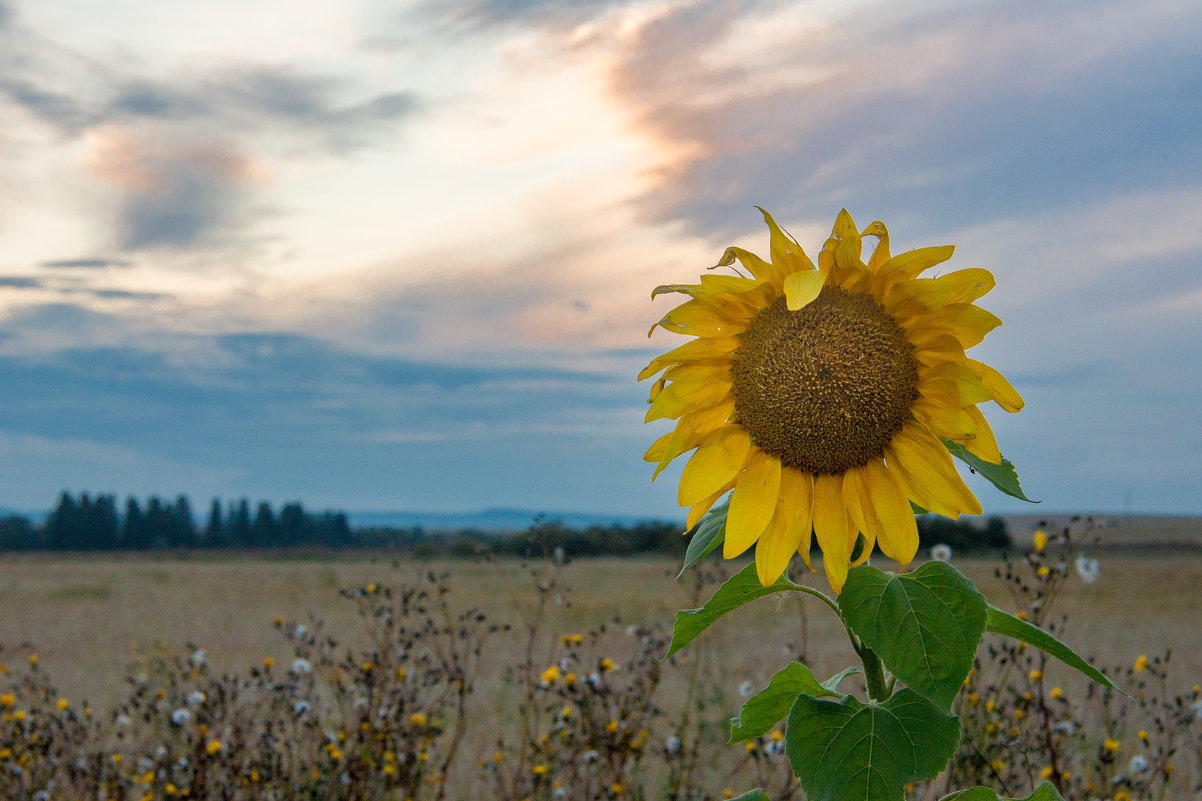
[89,619]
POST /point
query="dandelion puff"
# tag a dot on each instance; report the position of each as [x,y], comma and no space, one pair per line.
[181,716]
[300,631]
[1138,764]
[301,707]
[1088,569]
[746,688]
[672,744]
[196,698]
[1196,706]
[122,721]
[775,748]
[198,657]
[301,666]
[589,755]
[941,552]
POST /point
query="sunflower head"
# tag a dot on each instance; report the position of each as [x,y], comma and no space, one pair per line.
[820,396]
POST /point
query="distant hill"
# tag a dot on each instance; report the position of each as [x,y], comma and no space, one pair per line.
[490,520]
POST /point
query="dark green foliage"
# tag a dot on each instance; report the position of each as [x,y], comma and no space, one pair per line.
[963,535]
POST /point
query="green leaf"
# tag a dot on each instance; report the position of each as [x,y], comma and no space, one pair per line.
[709,535]
[752,795]
[1003,476]
[769,706]
[924,625]
[1004,623]
[1044,792]
[846,751]
[739,589]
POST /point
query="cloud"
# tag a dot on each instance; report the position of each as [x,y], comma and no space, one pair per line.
[20,282]
[85,264]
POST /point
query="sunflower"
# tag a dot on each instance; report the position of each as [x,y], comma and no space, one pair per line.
[823,397]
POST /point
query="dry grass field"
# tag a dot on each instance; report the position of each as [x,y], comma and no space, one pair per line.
[89,618]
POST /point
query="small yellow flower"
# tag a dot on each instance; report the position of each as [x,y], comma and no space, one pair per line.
[6,753]
[540,769]
[750,746]
[990,706]
[33,660]
[1041,541]
[335,754]
[371,588]
[170,789]
[607,664]
[1168,768]
[566,712]
[498,758]
[1047,772]
[1122,795]
[254,775]
[63,705]
[973,699]
[569,679]
[997,765]
[7,700]
[1036,675]
[728,793]
[551,674]
[389,769]
[776,736]
[1043,571]
[1143,735]
[213,747]
[1022,615]
[1111,745]
[368,667]
[612,726]
[401,673]
[268,662]
[417,719]
[116,759]
[1141,662]
[617,788]
[19,714]
[1019,714]
[1056,693]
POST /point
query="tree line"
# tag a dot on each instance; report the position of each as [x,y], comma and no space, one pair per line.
[87,523]
[96,524]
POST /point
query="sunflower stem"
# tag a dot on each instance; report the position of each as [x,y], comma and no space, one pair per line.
[874,674]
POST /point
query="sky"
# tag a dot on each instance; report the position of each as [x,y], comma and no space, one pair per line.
[382,255]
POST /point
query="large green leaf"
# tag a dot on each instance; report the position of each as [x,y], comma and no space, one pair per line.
[739,589]
[846,751]
[1004,623]
[925,625]
[1044,792]
[1003,476]
[709,535]
[770,705]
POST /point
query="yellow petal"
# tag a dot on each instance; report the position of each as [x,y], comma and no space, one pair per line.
[698,510]
[860,510]
[762,270]
[696,318]
[789,528]
[898,536]
[983,444]
[696,350]
[656,451]
[967,323]
[680,397]
[968,285]
[693,429]
[787,255]
[944,420]
[714,464]
[1005,395]
[929,474]
[880,254]
[834,530]
[954,381]
[752,504]
[912,263]
[802,287]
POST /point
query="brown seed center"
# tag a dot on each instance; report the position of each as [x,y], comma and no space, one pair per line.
[824,388]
